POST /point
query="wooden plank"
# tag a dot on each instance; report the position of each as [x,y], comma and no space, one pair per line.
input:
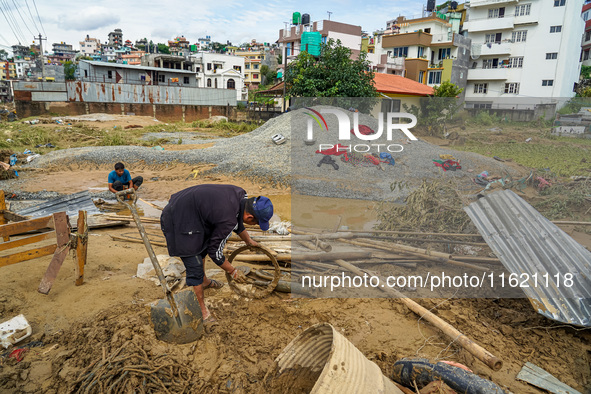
[13,217]
[81,246]
[3,219]
[23,227]
[27,255]
[26,241]
[62,229]
[538,377]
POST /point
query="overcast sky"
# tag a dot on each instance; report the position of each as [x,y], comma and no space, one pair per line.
[237,21]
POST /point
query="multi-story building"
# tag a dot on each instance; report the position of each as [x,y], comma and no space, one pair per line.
[7,70]
[21,51]
[252,67]
[522,48]
[6,93]
[116,38]
[220,71]
[133,58]
[432,49]
[90,46]
[23,68]
[179,46]
[62,52]
[586,41]
[204,43]
[290,38]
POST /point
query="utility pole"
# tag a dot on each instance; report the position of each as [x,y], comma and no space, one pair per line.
[42,57]
[329,14]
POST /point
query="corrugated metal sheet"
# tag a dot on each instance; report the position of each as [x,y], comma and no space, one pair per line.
[526,242]
[147,94]
[40,86]
[70,204]
[49,96]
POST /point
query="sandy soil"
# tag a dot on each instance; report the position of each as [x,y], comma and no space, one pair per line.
[82,325]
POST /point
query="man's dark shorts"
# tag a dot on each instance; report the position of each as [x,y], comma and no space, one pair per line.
[195,271]
[137,181]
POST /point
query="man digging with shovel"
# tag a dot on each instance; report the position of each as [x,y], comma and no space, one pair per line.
[199,220]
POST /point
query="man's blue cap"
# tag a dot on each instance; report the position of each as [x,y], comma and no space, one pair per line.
[263,211]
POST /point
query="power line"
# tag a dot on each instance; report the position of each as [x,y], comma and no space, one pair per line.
[31,15]
[39,18]
[14,22]
[9,25]
[23,19]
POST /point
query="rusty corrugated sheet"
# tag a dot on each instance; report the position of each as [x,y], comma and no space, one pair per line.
[40,86]
[528,243]
[103,92]
[71,204]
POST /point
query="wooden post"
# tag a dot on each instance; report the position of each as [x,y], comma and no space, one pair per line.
[62,230]
[2,218]
[81,246]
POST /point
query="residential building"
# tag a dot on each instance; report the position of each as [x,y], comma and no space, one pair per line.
[252,67]
[204,43]
[61,52]
[7,70]
[21,51]
[219,71]
[432,48]
[116,38]
[179,46]
[133,58]
[92,71]
[290,38]
[6,93]
[163,60]
[90,46]
[379,59]
[23,68]
[522,49]
[586,41]
[397,91]
[142,44]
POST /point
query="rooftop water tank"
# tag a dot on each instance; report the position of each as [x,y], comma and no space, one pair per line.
[306,19]
[296,18]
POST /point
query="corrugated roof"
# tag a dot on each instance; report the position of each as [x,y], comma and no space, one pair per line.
[396,84]
[71,204]
[527,242]
[145,68]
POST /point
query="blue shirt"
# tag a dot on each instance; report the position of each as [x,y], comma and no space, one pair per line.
[125,178]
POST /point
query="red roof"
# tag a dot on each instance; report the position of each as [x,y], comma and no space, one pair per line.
[395,84]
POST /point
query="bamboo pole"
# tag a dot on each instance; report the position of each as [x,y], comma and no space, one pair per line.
[566,222]
[410,233]
[476,350]
[315,246]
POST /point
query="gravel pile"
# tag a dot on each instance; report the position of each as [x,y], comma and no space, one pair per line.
[255,155]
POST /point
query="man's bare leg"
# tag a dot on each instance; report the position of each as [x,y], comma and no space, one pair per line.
[199,294]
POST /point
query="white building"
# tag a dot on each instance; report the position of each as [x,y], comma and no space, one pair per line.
[23,67]
[90,46]
[219,71]
[522,49]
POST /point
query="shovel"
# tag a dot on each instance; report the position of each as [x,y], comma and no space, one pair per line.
[176,319]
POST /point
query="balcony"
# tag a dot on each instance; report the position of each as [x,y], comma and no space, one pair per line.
[489,24]
[495,48]
[396,63]
[406,39]
[485,3]
[484,74]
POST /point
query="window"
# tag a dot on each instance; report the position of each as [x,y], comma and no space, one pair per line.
[586,16]
[400,52]
[288,50]
[480,87]
[247,66]
[215,84]
[197,69]
[255,76]
[421,52]
[209,66]
[109,74]
[490,63]
[434,77]
[421,77]
[161,78]
[588,35]
[547,82]
[186,80]
[512,88]
[555,29]
[519,36]
[444,53]
[238,68]
[493,37]
[256,66]
[551,55]
[559,3]
[523,9]
[231,84]
[515,62]
[482,106]
[586,55]
[496,12]
[86,73]
[208,82]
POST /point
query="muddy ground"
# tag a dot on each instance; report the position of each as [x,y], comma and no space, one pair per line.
[105,319]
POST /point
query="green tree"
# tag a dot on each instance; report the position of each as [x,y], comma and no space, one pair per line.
[163,48]
[333,74]
[586,72]
[435,112]
[3,54]
[70,70]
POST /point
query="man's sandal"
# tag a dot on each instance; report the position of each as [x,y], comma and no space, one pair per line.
[213,284]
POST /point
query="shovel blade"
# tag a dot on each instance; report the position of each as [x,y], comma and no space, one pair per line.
[167,327]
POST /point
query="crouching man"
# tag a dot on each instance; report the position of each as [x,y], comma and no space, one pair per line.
[120,179]
[199,220]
